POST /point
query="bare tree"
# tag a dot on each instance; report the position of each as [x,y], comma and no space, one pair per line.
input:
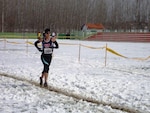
[67,15]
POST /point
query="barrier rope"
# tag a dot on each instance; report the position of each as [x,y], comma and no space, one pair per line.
[29,42]
[142,59]
[133,58]
[13,42]
[92,47]
[107,49]
[114,52]
[68,44]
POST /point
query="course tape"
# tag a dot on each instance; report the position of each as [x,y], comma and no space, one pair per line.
[133,58]
[29,42]
[108,49]
[114,52]
[92,47]
[17,42]
[68,44]
[142,59]
[13,42]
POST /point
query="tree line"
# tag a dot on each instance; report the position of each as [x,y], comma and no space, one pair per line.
[67,15]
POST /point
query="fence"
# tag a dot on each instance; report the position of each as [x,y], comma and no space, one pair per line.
[107,49]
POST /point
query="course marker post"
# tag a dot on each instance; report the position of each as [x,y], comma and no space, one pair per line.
[27,45]
[105,54]
[5,43]
[79,52]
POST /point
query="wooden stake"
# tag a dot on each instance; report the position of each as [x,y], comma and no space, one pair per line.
[106,55]
[79,52]
[27,45]
[5,43]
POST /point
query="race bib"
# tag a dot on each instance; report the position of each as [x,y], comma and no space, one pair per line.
[48,50]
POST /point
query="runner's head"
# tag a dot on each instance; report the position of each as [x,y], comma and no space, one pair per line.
[47,33]
[47,30]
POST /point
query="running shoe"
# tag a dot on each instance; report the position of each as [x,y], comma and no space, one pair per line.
[45,84]
[41,81]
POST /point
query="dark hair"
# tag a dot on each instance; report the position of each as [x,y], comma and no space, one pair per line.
[47,30]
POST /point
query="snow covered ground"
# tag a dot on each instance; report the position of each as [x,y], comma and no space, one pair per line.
[123,83]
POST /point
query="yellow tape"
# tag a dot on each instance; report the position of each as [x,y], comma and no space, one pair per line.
[13,42]
[92,47]
[108,49]
[68,44]
[30,43]
[134,58]
[114,52]
[141,58]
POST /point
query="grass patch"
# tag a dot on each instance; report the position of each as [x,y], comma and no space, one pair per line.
[18,35]
[11,35]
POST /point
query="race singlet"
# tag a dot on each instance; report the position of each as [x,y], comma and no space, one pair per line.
[48,51]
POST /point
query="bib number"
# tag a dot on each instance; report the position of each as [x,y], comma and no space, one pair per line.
[47,50]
